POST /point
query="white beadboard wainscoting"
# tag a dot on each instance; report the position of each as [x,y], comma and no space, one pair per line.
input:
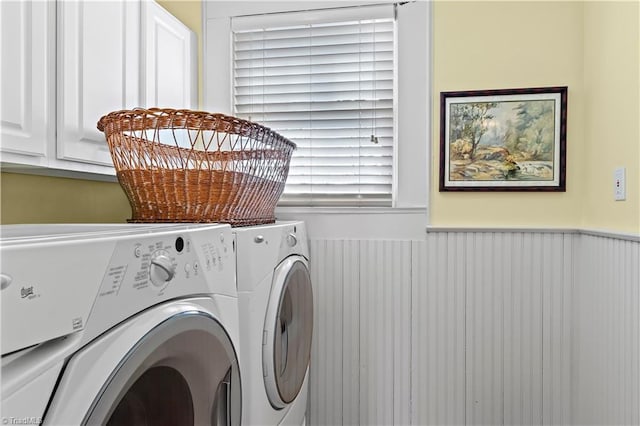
[607,331]
[476,327]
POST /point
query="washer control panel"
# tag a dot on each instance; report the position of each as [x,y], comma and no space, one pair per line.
[149,269]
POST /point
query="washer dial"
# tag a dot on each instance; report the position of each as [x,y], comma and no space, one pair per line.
[162,269]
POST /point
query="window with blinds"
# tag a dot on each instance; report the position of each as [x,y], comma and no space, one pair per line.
[325,80]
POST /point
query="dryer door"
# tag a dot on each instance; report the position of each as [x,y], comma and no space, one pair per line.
[183,371]
[288,327]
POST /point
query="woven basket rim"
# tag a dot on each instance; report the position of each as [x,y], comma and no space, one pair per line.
[236,176]
[128,114]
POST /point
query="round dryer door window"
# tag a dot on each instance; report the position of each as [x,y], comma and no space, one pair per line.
[289,326]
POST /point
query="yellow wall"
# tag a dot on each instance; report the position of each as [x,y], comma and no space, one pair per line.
[38,199]
[592,47]
[494,45]
[612,113]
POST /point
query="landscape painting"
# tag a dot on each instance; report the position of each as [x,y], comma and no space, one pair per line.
[503,140]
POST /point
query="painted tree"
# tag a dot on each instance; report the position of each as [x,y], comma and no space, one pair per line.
[533,131]
[468,121]
[536,125]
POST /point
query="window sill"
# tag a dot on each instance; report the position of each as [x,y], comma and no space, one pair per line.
[349,210]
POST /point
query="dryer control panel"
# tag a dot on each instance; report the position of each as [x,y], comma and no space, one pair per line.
[150,269]
[261,248]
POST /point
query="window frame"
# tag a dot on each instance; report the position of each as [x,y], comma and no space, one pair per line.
[412,156]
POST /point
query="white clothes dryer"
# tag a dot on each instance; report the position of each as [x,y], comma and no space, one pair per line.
[119,325]
[276,322]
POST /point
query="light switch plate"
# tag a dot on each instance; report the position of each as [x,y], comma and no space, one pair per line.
[619,184]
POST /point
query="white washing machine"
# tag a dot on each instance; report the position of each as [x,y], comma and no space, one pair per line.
[276,322]
[119,325]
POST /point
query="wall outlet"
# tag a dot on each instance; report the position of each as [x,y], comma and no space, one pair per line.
[619,190]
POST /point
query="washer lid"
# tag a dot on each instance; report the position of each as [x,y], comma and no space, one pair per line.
[289,328]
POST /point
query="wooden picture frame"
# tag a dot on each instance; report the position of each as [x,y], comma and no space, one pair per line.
[503,140]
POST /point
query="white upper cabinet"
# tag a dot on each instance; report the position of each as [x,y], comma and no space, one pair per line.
[98,72]
[65,64]
[170,53]
[27,85]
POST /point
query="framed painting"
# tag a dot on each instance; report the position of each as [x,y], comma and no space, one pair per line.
[503,140]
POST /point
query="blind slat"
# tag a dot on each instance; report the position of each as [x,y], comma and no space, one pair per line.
[334,59]
[314,109]
[334,133]
[327,77]
[315,52]
[312,41]
[315,69]
[316,88]
[380,25]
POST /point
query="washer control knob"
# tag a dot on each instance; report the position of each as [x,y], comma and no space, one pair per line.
[292,240]
[161,271]
[258,239]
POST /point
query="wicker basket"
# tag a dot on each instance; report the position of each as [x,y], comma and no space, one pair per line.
[193,166]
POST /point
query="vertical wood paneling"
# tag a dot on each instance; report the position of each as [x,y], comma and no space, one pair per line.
[384,334]
[361,354]
[509,323]
[484,348]
[632,336]
[371,352]
[401,286]
[326,380]
[496,330]
[420,404]
[557,308]
[351,336]
[454,354]
[476,328]
[423,407]
[438,330]
[511,309]
[536,343]
[607,386]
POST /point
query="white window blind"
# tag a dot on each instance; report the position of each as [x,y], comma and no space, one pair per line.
[325,80]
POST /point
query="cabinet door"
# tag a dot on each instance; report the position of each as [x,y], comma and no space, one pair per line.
[27,126]
[170,59]
[98,72]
